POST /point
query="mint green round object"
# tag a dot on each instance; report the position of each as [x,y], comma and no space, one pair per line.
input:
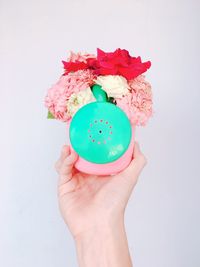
[100,132]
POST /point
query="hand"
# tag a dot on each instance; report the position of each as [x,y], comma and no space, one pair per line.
[87,201]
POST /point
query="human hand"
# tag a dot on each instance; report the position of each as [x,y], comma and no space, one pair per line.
[87,201]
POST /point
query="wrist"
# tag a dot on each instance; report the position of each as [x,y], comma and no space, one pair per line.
[104,245]
[100,228]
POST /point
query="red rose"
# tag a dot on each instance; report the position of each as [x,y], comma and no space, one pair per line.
[119,63]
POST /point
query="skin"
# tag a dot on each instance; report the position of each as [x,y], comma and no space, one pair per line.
[93,207]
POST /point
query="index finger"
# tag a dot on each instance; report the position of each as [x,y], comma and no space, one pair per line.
[64,153]
[66,168]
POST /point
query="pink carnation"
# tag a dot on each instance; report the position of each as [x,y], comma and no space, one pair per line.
[81,57]
[137,104]
[60,92]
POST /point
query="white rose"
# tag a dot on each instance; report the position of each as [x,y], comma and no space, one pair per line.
[114,85]
[77,100]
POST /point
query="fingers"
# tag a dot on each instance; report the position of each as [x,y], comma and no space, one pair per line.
[64,153]
[65,164]
[68,187]
[136,165]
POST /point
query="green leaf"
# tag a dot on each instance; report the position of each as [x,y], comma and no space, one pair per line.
[50,116]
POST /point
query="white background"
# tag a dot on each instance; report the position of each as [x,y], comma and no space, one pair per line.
[163,217]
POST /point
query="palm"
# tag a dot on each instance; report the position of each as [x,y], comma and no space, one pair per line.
[91,198]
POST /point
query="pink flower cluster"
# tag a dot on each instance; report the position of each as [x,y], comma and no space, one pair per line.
[137,104]
[60,92]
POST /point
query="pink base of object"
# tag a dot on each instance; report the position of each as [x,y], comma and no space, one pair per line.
[110,168]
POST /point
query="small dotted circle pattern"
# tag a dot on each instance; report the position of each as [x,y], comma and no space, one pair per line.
[100,131]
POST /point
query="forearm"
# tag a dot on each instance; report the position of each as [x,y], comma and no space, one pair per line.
[104,246]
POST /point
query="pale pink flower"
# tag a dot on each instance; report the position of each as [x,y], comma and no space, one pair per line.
[113,85]
[137,104]
[77,100]
[59,93]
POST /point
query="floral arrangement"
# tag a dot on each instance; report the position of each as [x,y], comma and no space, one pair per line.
[119,74]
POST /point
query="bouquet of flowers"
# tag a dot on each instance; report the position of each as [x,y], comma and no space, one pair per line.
[118,73]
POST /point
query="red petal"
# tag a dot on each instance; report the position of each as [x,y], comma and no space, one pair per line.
[74,66]
[100,53]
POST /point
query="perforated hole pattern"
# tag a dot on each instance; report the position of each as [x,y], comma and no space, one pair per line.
[94,131]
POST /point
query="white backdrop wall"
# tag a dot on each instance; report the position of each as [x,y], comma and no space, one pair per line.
[163,217]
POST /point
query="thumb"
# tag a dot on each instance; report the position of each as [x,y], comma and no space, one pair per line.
[135,167]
